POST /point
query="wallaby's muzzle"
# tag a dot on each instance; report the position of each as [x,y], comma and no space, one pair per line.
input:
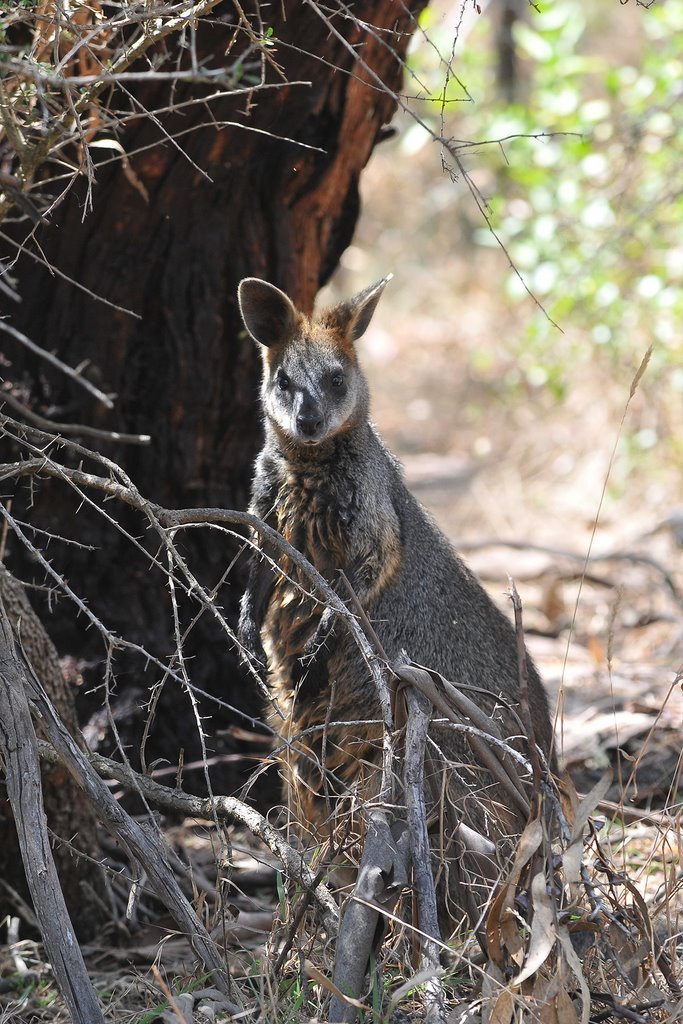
[309,420]
[309,426]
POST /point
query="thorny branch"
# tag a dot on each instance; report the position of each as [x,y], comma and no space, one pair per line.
[225,808]
[45,107]
[164,521]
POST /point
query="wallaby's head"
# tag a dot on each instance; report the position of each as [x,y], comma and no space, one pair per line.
[313,387]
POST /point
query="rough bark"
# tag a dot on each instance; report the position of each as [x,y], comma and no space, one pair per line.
[21,768]
[69,815]
[141,842]
[184,371]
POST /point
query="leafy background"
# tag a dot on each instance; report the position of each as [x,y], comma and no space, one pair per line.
[584,190]
[503,355]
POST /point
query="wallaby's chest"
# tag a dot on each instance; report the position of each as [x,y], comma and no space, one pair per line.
[316,517]
[337,525]
[324,522]
[310,516]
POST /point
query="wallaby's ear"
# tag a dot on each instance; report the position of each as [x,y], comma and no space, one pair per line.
[354,315]
[268,314]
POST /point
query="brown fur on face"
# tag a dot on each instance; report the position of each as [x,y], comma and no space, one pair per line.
[327,333]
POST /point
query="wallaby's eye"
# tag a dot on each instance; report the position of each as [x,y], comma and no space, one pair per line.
[337,380]
[283,381]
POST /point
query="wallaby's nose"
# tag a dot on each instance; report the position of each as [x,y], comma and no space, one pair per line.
[308,423]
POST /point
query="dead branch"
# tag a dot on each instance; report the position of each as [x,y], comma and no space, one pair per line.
[419,716]
[225,808]
[23,248]
[483,734]
[382,874]
[75,429]
[22,773]
[51,358]
[142,845]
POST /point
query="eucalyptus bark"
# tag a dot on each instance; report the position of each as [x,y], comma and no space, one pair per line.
[232,198]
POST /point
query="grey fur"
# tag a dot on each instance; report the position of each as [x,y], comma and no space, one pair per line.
[326,480]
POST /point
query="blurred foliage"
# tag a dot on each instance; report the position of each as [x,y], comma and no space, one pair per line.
[584,188]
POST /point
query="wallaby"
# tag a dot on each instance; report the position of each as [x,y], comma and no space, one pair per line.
[326,482]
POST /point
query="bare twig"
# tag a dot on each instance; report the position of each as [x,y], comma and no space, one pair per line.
[23,248]
[419,715]
[22,772]
[56,361]
[75,429]
[225,808]
[483,734]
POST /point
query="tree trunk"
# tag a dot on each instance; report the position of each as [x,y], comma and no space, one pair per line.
[170,237]
[69,816]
